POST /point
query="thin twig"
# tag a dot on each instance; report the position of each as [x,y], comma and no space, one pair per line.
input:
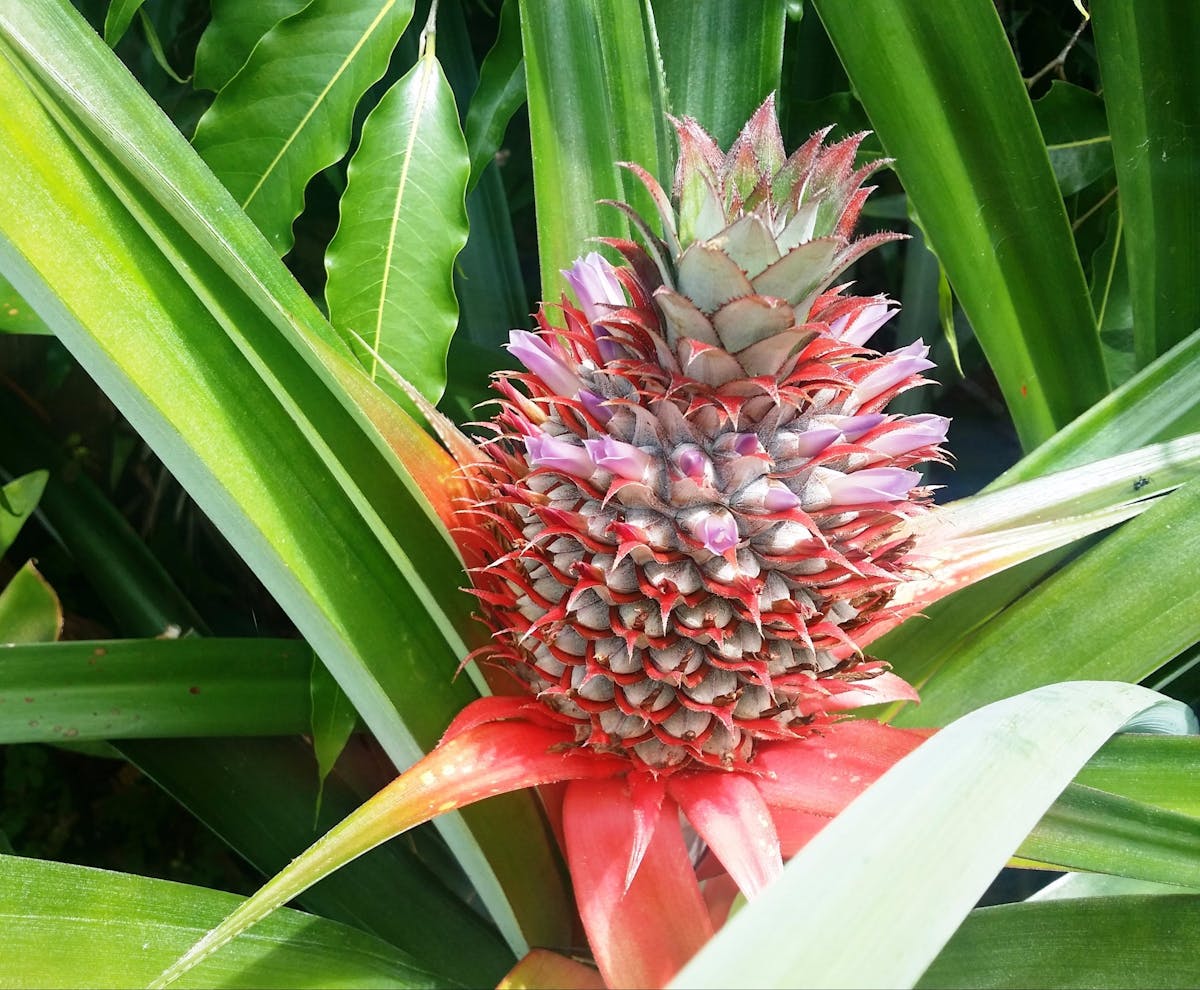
[1060,59]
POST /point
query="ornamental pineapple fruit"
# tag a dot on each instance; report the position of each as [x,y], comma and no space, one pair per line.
[690,507]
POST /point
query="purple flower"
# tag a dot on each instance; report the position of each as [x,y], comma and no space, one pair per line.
[864,324]
[892,370]
[539,357]
[918,431]
[622,459]
[596,286]
[558,455]
[870,485]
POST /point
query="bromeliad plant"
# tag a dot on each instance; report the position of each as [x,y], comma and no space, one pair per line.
[696,509]
[694,516]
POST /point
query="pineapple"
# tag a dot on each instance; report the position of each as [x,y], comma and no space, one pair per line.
[693,497]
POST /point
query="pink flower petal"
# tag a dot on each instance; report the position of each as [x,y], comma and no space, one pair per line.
[870,485]
[919,431]
[622,459]
[859,329]
[729,813]
[558,455]
[540,358]
[640,935]
[596,286]
[891,370]
[716,529]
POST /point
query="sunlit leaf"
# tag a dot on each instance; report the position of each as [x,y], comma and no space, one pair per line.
[1148,67]
[977,173]
[742,46]
[615,75]
[69,926]
[403,222]
[234,29]
[315,66]
[955,809]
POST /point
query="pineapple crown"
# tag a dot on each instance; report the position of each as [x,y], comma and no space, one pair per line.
[692,507]
[752,222]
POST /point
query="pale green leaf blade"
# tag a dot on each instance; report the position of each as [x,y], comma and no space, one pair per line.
[403,222]
[500,92]
[1147,55]
[720,59]
[1130,941]
[70,926]
[955,810]
[971,158]
[591,104]
[288,113]
[29,609]
[234,29]
[18,499]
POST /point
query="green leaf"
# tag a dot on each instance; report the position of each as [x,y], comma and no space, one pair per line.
[29,609]
[233,31]
[403,222]
[1089,829]
[971,158]
[117,19]
[258,795]
[70,926]
[16,315]
[1148,67]
[1080,623]
[130,581]
[720,59]
[955,810]
[333,720]
[1112,301]
[213,334]
[1159,770]
[18,499]
[1133,941]
[1075,129]
[592,103]
[153,688]
[1160,402]
[288,113]
[500,92]
[156,48]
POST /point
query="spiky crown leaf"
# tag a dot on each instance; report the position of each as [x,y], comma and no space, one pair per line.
[693,495]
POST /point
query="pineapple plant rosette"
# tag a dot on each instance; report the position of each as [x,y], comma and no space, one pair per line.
[693,516]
